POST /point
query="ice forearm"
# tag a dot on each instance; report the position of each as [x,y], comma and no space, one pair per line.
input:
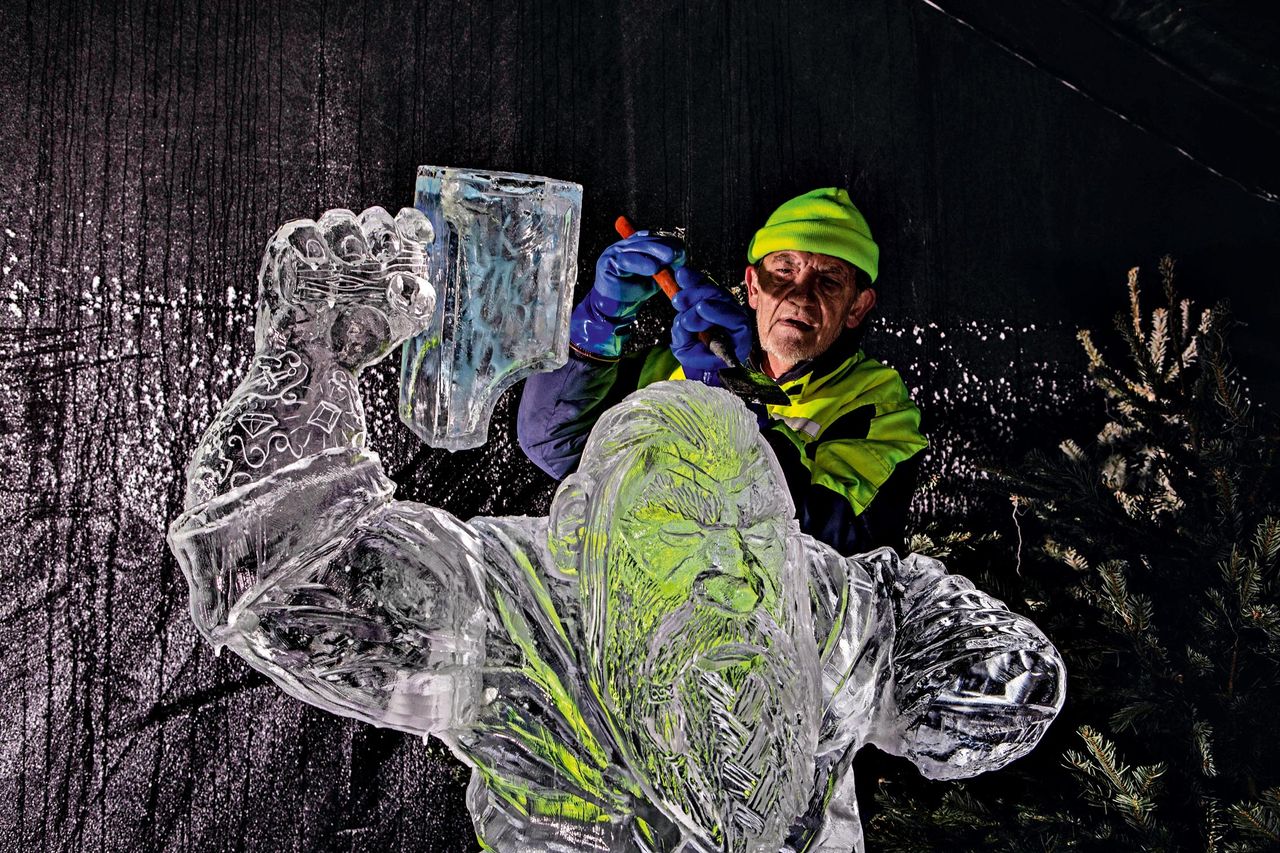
[293,404]
[974,685]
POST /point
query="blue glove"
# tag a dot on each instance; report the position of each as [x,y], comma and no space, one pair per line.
[624,280]
[702,305]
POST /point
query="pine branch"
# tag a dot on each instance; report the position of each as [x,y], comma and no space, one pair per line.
[1214,826]
[1128,715]
[1130,790]
[1259,821]
[1266,541]
[1202,734]
[1158,340]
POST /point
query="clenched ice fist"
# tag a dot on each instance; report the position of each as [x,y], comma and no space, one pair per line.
[359,282]
[334,296]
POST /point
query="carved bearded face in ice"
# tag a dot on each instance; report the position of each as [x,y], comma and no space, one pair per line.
[697,623]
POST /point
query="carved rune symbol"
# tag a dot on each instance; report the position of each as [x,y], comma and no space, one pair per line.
[280,369]
[256,423]
[325,416]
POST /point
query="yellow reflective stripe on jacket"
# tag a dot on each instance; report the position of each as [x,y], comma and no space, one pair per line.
[854,466]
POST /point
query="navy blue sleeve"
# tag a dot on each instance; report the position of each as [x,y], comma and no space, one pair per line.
[558,410]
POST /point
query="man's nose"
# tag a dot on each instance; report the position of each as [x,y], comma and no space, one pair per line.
[804,286]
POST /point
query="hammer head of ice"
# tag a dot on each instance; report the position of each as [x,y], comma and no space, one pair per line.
[504,262]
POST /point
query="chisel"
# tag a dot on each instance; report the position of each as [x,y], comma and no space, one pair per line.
[749,384]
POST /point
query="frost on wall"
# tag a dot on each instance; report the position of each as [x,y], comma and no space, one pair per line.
[664,663]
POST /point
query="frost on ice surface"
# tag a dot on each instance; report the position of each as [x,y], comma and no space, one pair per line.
[662,664]
[504,262]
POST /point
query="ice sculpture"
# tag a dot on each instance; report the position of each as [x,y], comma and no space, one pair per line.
[504,262]
[663,664]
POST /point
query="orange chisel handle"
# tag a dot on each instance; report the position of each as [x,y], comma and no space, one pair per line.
[715,339]
[663,277]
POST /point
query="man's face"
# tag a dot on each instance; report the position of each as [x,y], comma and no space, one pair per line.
[803,301]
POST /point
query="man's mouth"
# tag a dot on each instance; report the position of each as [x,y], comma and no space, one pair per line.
[797,324]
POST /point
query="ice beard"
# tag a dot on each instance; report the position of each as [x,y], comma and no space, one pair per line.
[719,717]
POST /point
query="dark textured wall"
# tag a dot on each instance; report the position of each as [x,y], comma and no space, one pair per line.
[152,147]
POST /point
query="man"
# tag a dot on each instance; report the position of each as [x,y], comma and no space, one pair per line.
[849,440]
[665,664]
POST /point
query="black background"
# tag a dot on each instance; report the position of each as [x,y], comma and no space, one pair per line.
[152,147]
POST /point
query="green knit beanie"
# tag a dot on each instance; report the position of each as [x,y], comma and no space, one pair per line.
[823,221]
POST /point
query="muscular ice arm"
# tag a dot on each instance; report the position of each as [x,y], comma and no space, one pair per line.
[972,686]
[296,555]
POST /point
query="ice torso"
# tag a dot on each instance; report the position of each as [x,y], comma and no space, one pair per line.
[401,615]
[548,771]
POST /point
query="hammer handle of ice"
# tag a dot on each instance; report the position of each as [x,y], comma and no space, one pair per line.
[663,277]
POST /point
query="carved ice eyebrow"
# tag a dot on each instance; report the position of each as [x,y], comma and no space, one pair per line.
[692,500]
[696,502]
[688,498]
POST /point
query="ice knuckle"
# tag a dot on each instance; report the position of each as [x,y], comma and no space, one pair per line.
[306,241]
[413,226]
[381,238]
[344,235]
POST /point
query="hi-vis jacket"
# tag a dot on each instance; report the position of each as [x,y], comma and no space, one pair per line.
[848,442]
